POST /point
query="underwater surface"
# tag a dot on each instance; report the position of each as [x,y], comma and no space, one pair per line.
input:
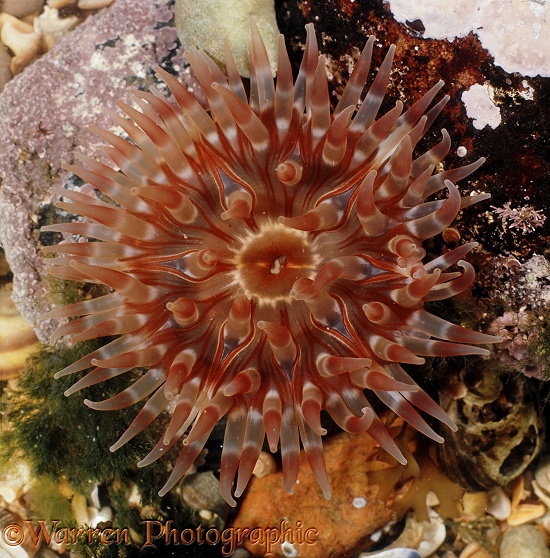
[484,492]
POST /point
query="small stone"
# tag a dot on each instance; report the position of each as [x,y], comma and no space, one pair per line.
[474,504]
[49,23]
[526,513]
[541,483]
[265,465]
[525,541]
[20,38]
[5,62]
[227,20]
[17,337]
[313,525]
[202,492]
[94,4]
[498,504]
[21,8]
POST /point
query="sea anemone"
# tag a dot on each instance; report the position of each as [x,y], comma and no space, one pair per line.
[265,259]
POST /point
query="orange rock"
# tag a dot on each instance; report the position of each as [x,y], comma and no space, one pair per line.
[314,526]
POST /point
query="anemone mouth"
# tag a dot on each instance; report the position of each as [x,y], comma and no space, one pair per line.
[269,261]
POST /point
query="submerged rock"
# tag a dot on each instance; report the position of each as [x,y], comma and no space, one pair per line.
[360,503]
[46,110]
[525,541]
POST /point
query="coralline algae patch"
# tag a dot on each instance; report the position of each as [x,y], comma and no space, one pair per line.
[480,107]
[491,112]
[30,28]
[515,32]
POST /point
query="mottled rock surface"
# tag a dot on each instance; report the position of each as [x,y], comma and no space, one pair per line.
[525,541]
[360,503]
[45,113]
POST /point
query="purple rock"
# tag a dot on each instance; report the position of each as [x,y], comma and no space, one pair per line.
[44,116]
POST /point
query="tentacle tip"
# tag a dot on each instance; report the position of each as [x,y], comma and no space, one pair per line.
[296,295]
[53,339]
[87,402]
[401,459]
[449,185]
[231,501]
[229,391]
[70,391]
[368,413]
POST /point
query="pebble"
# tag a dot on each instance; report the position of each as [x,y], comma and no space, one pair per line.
[394,553]
[525,541]
[201,491]
[20,8]
[307,511]
[227,19]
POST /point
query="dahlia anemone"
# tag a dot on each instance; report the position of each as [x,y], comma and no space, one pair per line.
[266,263]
